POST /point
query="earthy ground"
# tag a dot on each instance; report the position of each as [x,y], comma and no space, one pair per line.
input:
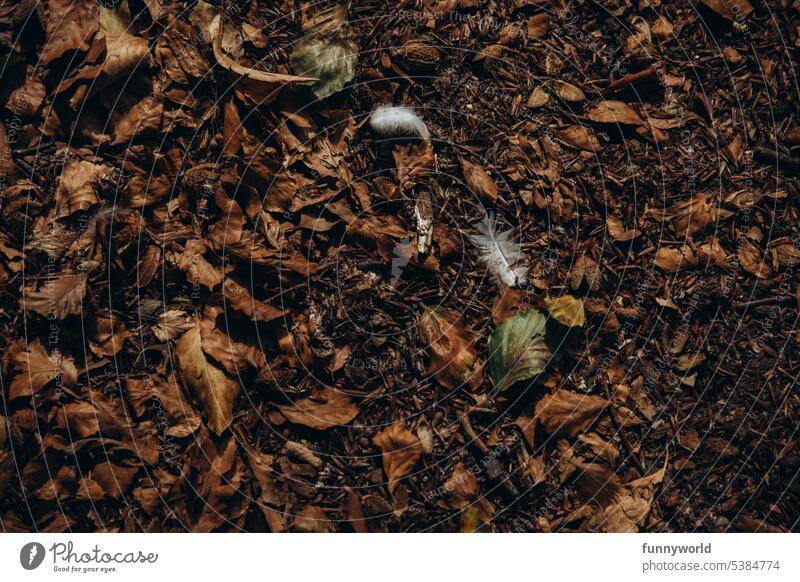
[228,303]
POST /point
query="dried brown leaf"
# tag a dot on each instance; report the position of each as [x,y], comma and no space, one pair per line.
[212,387]
[451,346]
[325,409]
[400,451]
[566,413]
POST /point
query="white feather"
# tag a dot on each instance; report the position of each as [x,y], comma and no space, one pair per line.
[388,120]
[501,253]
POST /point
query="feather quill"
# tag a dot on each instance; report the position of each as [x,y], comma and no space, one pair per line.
[388,120]
[501,253]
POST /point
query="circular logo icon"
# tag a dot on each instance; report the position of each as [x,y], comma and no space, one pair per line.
[31,555]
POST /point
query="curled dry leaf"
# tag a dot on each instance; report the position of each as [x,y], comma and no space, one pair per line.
[618,232]
[506,303]
[35,369]
[100,414]
[26,100]
[752,261]
[452,349]
[585,269]
[76,186]
[198,270]
[413,162]
[479,180]
[325,409]
[312,519]
[59,297]
[144,393]
[696,214]
[579,137]
[241,300]
[124,52]
[538,25]
[172,325]
[614,112]
[566,413]
[211,386]
[673,259]
[115,480]
[145,117]
[568,92]
[627,515]
[567,310]
[110,335]
[400,451]
[461,489]
[219,473]
[539,97]
[69,25]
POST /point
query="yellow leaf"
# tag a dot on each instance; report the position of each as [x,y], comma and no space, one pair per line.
[473,520]
[567,310]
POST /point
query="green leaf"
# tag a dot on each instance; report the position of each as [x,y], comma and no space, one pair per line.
[517,350]
[332,63]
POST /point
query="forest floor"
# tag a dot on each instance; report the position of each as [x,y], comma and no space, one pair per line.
[229,302]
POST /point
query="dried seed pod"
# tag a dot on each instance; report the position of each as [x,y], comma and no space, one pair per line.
[419,56]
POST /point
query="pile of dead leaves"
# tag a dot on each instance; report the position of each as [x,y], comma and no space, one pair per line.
[227,304]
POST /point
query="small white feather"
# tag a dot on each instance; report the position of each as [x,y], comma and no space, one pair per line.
[501,253]
[388,120]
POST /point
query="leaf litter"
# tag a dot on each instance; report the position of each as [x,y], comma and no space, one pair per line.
[377,267]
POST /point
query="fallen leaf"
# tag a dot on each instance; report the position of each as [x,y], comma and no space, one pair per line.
[76,186]
[751,260]
[212,387]
[35,369]
[618,231]
[325,409]
[110,336]
[400,451]
[312,519]
[579,137]
[566,413]
[539,97]
[567,310]
[69,25]
[114,479]
[517,349]
[332,58]
[451,345]
[198,270]
[258,86]
[59,297]
[568,92]
[630,511]
[730,9]
[461,489]
[696,214]
[241,300]
[614,112]
[172,325]
[478,180]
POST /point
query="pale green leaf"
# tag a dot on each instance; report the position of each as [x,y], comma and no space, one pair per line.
[517,350]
